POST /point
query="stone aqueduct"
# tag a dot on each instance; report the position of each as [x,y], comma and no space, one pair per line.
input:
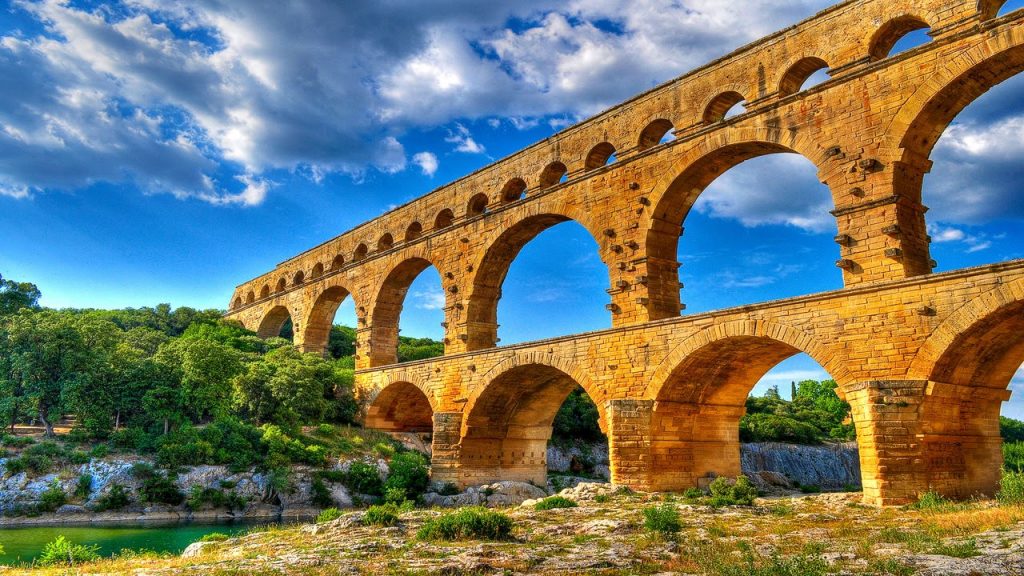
[924,359]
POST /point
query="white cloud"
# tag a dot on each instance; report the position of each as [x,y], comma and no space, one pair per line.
[427,162]
[432,300]
[972,242]
[463,140]
[940,234]
[787,376]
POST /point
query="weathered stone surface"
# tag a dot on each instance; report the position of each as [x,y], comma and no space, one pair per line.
[923,359]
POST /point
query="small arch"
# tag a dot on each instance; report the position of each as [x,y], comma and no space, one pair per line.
[250,297]
[265,291]
[514,189]
[723,106]
[317,329]
[237,303]
[282,284]
[444,219]
[338,262]
[273,322]
[796,78]
[600,155]
[654,134]
[386,242]
[553,174]
[318,270]
[890,33]
[400,407]
[385,318]
[360,253]
[414,231]
[299,278]
[477,205]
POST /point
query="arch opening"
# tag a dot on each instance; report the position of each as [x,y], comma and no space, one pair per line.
[299,278]
[282,284]
[706,407]
[806,73]
[725,105]
[600,155]
[250,297]
[426,314]
[385,243]
[567,301]
[360,253]
[414,231]
[337,262]
[265,291]
[318,271]
[554,173]
[898,35]
[276,323]
[477,205]
[444,219]
[237,303]
[513,190]
[1006,7]
[508,426]
[400,407]
[319,330]
[657,132]
[754,202]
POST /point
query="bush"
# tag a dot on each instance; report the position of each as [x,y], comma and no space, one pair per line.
[60,551]
[321,496]
[1013,456]
[1011,488]
[381,515]
[328,515]
[214,537]
[693,493]
[363,478]
[395,496]
[552,502]
[83,486]
[410,473]
[664,519]
[115,499]
[99,451]
[930,501]
[774,428]
[160,489]
[53,497]
[577,419]
[448,489]
[474,522]
[726,493]
[324,430]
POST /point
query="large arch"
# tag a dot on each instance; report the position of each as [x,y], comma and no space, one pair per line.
[318,323]
[700,390]
[273,321]
[400,406]
[490,272]
[387,309]
[507,422]
[674,196]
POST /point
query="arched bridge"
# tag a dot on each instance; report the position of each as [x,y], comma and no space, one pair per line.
[924,359]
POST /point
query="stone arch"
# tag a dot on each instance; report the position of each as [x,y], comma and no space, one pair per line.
[338,262]
[265,291]
[250,297]
[508,421]
[444,219]
[318,270]
[299,278]
[675,194]
[273,321]
[798,73]
[700,391]
[988,9]
[327,296]
[282,284]
[490,271]
[513,190]
[599,156]
[477,205]
[888,34]
[387,308]
[652,134]
[414,231]
[237,302]
[552,174]
[719,106]
[360,252]
[386,242]
[401,406]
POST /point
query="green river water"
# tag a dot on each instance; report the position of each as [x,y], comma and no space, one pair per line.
[21,545]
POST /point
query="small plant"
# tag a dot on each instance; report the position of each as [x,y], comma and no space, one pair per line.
[214,537]
[159,488]
[1011,488]
[115,499]
[448,489]
[394,495]
[60,551]
[381,515]
[53,497]
[552,502]
[324,430]
[83,486]
[602,498]
[663,519]
[726,493]
[475,522]
[328,515]
[890,566]
[693,493]
[363,478]
[965,549]
[810,488]
[931,501]
[321,496]
[410,474]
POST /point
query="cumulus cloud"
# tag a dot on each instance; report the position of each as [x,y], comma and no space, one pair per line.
[463,140]
[427,161]
[428,300]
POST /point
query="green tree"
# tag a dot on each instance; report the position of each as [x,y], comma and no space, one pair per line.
[17,295]
[286,387]
[205,369]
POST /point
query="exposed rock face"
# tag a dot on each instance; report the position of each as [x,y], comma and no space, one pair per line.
[498,494]
[591,458]
[829,466]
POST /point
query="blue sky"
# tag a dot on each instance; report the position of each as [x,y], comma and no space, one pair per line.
[163,151]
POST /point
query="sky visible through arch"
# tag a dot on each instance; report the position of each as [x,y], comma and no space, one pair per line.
[164,151]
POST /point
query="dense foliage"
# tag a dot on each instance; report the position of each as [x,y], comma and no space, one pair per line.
[814,414]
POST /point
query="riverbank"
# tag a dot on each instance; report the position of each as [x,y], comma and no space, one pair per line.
[607,533]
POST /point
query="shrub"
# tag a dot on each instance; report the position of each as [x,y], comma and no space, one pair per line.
[199,497]
[321,496]
[448,489]
[214,537]
[363,478]
[14,466]
[115,499]
[328,515]
[324,430]
[474,522]
[738,493]
[809,488]
[395,495]
[410,473]
[160,489]
[965,549]
[381,515]
[552,502]
[78,457]
[763,427]
[60,551]
[930,501]
[693,493]
[602,498]
[1011,488]
[1013,456]
[664,519]
[53,497]
[99,451]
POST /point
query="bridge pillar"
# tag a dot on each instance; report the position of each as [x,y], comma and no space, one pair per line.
[629,442]
[444,447]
